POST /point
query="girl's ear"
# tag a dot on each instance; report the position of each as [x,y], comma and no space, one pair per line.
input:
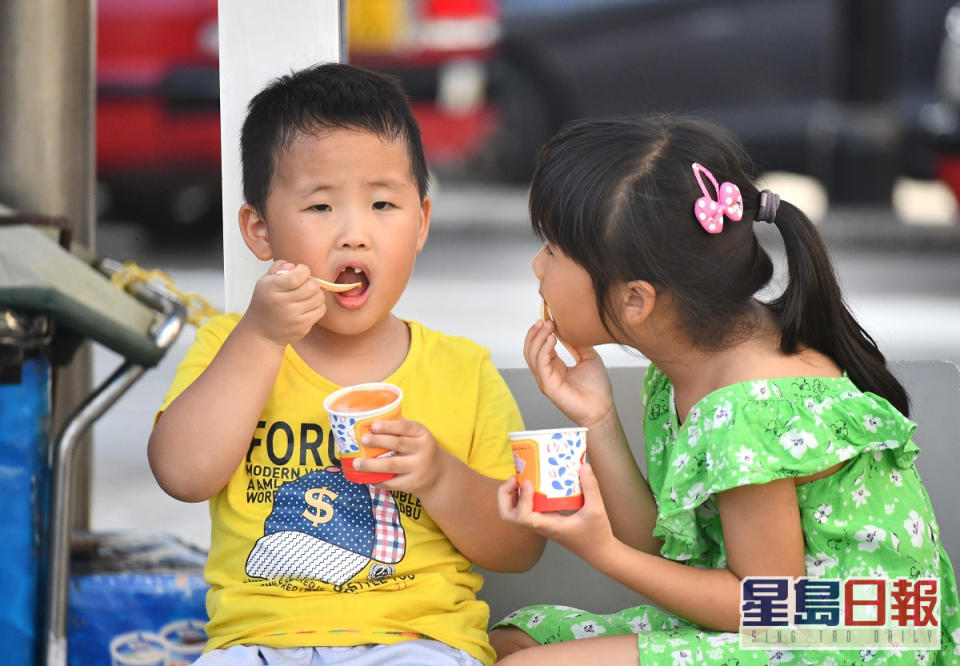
[638,298]
[253,228]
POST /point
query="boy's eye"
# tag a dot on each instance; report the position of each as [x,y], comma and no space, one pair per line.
[320,208]
[382,205]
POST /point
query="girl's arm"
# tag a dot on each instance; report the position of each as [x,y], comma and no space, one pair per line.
[763,537]
[584,394]
[762,533]
[631,507]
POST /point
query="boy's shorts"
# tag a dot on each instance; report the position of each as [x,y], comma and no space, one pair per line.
[406,653]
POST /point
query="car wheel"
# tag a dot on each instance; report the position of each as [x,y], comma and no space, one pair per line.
[525,124]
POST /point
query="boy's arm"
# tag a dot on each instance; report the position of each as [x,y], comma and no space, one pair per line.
[200,439]
[461,500]
[463,503]
[459,495]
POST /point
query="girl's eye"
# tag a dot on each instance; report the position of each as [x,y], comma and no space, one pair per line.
[320,208]
[383,205]
[548,249]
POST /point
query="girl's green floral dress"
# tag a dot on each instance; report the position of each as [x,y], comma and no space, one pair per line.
[870,519]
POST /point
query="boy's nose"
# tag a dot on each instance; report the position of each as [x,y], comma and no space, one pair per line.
[354,233]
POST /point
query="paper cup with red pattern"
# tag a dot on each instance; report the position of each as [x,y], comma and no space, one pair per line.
[550,459]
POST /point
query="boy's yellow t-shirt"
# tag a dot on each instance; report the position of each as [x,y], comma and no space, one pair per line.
[299,556]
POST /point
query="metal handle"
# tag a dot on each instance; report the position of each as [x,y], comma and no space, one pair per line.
[63,455]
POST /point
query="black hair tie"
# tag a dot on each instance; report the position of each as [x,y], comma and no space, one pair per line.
[769,203]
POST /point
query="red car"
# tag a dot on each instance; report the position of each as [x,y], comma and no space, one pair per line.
[158,131]
[943,117]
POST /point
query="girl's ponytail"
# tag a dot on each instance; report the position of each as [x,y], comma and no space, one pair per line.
[812,312]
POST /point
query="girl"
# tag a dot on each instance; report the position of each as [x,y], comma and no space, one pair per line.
[777,440]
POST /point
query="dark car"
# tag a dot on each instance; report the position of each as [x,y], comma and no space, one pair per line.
[158,123]
[795,80]
[942,118]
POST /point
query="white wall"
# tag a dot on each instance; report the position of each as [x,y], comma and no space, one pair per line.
[259,41]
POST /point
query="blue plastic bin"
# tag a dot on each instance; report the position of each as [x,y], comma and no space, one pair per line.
[24,498]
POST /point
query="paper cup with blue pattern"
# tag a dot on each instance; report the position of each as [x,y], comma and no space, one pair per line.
[550,459]
[352,410]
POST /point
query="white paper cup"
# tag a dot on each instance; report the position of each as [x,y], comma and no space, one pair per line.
[183,641]
[137,648]
[551,460]
[351,423]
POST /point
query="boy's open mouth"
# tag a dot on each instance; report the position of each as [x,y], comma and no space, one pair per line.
[351,274]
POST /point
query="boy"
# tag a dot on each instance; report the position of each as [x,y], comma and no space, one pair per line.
[302,562]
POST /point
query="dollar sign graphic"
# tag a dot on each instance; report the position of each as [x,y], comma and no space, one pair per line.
[319,499]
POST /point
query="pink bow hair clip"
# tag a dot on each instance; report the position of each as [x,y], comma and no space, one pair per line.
[710,212]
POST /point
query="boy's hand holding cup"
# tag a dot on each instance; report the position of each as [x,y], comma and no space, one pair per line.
[352,410]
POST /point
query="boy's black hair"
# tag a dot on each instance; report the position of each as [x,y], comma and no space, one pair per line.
[617,196]
[327,96]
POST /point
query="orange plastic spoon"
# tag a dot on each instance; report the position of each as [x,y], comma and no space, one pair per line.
[330,286]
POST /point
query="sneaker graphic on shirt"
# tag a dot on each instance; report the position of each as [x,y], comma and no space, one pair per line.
[326,528]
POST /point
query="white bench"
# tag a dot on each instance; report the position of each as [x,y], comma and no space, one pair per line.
[562,578]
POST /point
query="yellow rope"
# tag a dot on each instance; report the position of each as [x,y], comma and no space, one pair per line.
[198,308]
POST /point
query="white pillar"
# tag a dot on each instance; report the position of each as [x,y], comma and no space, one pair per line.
[258,42]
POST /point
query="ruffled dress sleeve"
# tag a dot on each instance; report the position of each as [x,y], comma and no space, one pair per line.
[752,433]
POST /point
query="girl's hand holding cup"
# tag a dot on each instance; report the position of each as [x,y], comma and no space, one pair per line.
[586,532]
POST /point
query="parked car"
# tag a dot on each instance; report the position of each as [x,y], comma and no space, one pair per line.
[781,74]
[158,132]
[942,118]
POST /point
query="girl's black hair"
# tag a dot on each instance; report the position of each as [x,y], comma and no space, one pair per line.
[617,196]
[327,96]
